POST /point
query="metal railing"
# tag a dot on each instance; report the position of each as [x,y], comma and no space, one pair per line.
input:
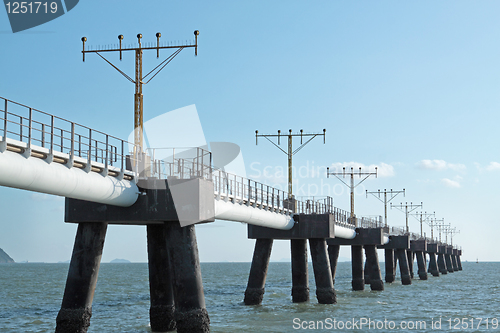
[397,231]
[323,205]
[314,205]
[238,189]
[183,163]
[29,128]
[414,236]
[242,190]
[37,128]
[401,231]
[53,134]
[370,222]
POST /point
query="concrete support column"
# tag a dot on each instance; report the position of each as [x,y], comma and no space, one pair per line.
[441,264]
[300,276]
[366,273]
[409,254]
[322,274]
[161,312]
[459,263]
[449,265]
[395,267]
[76,308]
[403,266]
[433,268]
[333,255]
[258,271]
[190,312]
[454,263]
[374,268]
[422,272]
[358,280]
[389,265]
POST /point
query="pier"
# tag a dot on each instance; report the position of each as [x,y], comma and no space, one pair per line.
[104,183]
[399,248]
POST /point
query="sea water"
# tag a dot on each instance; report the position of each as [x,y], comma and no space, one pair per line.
[464,301]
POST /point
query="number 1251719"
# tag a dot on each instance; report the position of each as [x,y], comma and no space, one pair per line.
[28,7]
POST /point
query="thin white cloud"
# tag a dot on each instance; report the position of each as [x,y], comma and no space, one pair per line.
[383,169]
[493,166]
[450,183]
[440,165]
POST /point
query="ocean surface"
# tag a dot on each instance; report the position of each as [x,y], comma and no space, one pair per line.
[31,294]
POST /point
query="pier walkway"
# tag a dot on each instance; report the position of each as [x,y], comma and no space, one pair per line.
[107,180]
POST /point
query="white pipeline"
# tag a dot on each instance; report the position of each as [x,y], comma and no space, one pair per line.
[35,174]
[226,210]
[343,232]
[386,239]
[242,213]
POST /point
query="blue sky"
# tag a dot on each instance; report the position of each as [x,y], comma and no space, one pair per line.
[411,87]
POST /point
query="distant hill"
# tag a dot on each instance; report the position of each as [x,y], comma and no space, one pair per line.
[120,261]
[4,257]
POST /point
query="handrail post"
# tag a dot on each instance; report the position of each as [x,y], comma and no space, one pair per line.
[196,168]
[267,198]
[90,146]
[5,122]
[153,162]
[79,145]
[255,185]
[243,186]
[236,186]
[3,143]
[202,165]
[242,189]
[210,168]
[20,128]
[249,193]
[43,135]
[261,195]
[245,190]
[278,200]
[72,152]
[123,153]
[272,200]
[235,190]
[107,153]
[52,135]
[220,183]
[30,123]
